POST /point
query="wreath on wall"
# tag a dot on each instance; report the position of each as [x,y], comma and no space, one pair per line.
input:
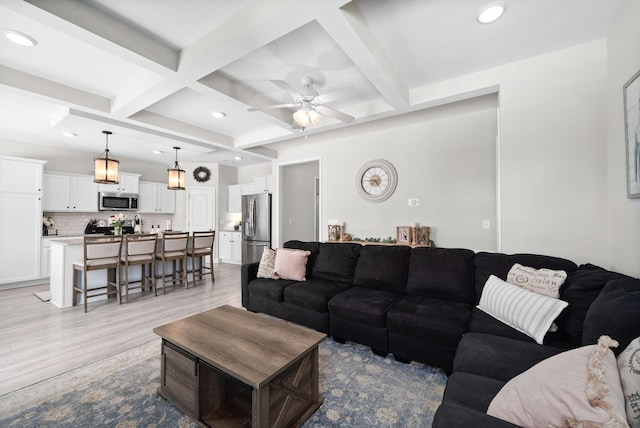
[201,174]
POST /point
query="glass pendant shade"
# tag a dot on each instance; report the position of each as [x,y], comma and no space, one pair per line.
[176,175]
[106,168]
[306,116]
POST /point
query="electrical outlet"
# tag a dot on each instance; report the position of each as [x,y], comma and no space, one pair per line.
[486,223]
[413,202]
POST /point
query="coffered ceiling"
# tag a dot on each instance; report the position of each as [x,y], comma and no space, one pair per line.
[152,71]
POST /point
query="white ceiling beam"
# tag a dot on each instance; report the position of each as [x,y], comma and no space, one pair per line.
[185,129]
[350,31]
[105,32]
[51,91]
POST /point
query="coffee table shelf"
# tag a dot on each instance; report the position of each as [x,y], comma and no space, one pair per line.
[231,368]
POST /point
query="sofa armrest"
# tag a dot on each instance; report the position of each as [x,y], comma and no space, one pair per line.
[248,273]
[451,415]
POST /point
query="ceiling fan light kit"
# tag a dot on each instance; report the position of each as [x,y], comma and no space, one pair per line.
[311,107]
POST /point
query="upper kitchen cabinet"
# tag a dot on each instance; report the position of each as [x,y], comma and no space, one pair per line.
[262,184]
[20,218]
[69,192]
[235,198]
[128,183]
[156,198]
[18,175]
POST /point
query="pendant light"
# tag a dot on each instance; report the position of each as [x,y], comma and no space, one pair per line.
[106,168]
[176,175]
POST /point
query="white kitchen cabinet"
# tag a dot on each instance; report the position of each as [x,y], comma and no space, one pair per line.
[20,218]
[248,188]
[156,198]
[69,192]
[235,198]
[128,183]
[45,256]
[262,184]
[19,175]
[230,246]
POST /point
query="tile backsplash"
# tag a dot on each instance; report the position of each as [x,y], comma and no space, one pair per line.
[73,224]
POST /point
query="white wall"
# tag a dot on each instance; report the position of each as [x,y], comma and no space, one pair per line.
[552,168]
[445,157]
[623,223]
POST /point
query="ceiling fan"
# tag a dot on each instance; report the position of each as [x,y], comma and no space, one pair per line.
[310,103]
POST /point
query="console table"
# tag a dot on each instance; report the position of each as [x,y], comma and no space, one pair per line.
[230,367]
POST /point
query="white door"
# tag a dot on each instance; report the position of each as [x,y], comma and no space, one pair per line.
[200,208]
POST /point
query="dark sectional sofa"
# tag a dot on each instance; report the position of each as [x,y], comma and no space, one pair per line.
[420,304]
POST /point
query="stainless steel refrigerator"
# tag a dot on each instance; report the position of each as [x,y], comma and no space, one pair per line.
[256,226]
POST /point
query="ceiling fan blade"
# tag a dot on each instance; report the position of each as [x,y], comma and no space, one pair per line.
[328,111]
[342,94]
[274,106]
[287,88]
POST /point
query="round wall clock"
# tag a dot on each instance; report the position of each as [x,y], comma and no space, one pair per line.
[376,180]
[201,174]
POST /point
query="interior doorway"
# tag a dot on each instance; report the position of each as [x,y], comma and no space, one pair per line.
[300,201]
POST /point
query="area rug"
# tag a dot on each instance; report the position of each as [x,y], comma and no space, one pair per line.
[360,389]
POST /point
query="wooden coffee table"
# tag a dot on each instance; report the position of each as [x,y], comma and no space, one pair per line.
[229,367]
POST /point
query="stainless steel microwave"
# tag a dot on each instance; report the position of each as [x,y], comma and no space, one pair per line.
[114,201]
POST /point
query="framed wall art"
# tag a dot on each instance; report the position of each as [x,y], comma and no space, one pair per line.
[632,132]
[403,235]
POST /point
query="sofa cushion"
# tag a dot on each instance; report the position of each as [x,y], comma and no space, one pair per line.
[269,288]
[499,264]
[364,305]
[629,369]
[314,247]
[482,322]
[580,290]
[442,273]
[383,267]
[496,357]
[267,263]
[314,294]
[291,264]
[337,262]
[616,313]
[543,281]
[471,390]
[528,312]
[436,320]
[581,385]
[454,415]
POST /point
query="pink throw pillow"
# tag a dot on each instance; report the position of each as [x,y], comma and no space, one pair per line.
[291,264]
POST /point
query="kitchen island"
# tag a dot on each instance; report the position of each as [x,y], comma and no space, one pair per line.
[65,252]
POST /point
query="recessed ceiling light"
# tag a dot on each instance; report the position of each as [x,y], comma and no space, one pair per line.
[156,152]
[218,114]
[491,12]
[238,157]
[69,134]
[20,38]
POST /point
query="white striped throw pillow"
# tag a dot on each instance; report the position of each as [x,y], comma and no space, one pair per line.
[528,312]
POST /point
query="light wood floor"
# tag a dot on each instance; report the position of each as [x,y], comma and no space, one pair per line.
[39,340]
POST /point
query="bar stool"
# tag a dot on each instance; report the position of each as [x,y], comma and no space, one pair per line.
[201,246]
[174,249]
[100,252]
[140,250]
